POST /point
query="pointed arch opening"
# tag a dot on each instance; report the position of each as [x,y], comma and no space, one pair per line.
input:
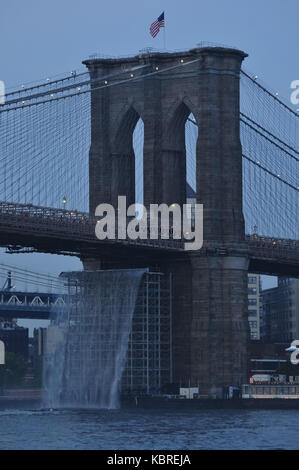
[183,142]
[192,172]
[127,158]
[191,138]
[138,144]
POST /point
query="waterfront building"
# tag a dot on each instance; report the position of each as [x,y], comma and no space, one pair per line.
[254,306]
[281,311]
[15,338]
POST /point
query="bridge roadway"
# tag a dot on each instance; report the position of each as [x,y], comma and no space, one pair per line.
[50,230]
[30,305]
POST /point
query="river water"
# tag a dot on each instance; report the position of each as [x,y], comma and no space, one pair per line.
[149,429]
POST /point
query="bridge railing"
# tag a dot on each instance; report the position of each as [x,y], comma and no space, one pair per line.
[269,247]
[55,220]
[76,224]
[272,242]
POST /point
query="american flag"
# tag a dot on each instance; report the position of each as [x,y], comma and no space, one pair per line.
[156,25]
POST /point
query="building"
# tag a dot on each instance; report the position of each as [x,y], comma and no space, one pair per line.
[15,338]
[5,323]
[38,348]
[281,311]
[254,306]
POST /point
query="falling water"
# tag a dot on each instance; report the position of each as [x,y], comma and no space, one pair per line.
[87,341]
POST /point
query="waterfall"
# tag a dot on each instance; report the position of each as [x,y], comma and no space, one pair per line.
[87,341]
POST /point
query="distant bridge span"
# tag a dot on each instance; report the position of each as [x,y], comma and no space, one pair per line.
[30,305]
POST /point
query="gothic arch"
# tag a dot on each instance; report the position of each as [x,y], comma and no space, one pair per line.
[125,125]
[176,123]
[123,158]
[183,147]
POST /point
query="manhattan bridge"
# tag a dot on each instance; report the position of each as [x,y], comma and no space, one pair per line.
[161,127]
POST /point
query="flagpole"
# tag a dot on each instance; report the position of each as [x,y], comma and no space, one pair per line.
[164,34]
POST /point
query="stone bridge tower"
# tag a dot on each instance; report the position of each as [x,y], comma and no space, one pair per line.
[210,325]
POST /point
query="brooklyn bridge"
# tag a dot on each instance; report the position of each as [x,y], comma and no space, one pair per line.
[158,128]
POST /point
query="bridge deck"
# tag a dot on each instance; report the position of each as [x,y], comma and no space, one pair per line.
[53,230]
[30,305]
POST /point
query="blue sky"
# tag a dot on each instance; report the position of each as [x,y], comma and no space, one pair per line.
[41,39]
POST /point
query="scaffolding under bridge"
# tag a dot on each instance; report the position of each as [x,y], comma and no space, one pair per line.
[148,349]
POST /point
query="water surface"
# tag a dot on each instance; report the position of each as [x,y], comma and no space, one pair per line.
[149,429]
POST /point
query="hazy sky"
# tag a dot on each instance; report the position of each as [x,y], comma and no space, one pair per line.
[41,39]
